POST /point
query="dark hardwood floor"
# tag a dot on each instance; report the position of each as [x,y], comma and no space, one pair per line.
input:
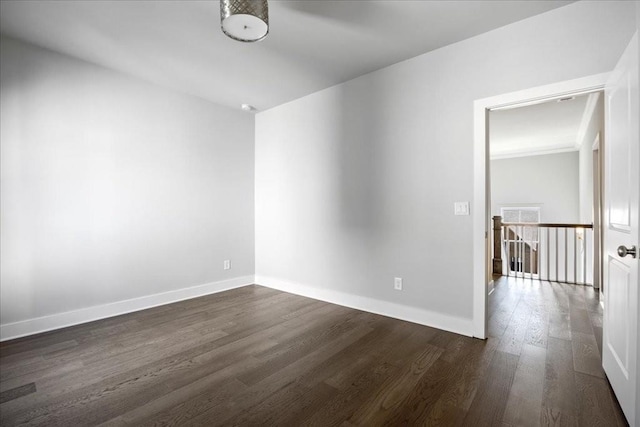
[256,356]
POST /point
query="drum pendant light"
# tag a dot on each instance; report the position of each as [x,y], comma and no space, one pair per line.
[245,20]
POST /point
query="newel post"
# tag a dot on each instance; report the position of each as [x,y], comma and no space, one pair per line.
[497,245]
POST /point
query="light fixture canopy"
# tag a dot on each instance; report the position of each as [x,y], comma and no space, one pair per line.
[245,20]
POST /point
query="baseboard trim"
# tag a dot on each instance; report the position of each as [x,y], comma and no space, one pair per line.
[37,325]
[457,325]
[492,287]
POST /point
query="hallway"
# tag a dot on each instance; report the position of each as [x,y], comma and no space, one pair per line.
[555,331]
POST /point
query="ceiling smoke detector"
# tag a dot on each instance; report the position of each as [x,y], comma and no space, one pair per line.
[248,107]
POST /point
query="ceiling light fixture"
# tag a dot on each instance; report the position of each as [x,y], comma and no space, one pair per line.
[249,108]
[245,20]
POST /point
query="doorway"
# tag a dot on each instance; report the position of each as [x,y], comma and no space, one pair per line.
[482,189]
[533,321]
[541,176]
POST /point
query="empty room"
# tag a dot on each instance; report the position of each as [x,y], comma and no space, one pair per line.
[319,213]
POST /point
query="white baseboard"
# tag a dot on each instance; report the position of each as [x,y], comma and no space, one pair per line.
[398,311]
[61,320]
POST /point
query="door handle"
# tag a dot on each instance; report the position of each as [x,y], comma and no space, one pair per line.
[623,251]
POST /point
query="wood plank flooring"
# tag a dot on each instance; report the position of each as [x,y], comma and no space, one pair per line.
[257,356]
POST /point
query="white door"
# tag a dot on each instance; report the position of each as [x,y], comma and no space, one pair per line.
[620,227]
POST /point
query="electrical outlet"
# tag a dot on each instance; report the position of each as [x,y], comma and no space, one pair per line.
[227,264]
[397,283]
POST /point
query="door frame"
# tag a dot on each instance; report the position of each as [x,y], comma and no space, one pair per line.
[482,182]
[598,186]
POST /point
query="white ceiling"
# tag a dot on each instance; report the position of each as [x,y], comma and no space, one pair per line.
[545,128]
[311,45]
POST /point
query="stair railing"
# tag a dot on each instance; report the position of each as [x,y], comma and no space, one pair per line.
[545,251]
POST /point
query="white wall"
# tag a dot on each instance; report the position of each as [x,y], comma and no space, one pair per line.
[113,188]
[594,127]
[355,184]
[548,181]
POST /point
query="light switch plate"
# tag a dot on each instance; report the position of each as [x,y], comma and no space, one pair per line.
[461,208]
